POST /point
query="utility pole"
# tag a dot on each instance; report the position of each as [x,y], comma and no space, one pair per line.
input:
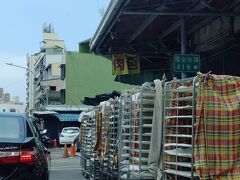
[183,42]
[29,70]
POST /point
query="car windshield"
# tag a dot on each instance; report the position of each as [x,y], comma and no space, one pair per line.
[70,131]
[9,127]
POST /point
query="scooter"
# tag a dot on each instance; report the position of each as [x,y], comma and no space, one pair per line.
[45,139]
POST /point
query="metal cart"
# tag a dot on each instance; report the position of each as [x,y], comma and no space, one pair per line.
[135,132]
[178,129]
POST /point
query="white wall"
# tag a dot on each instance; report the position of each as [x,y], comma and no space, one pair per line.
[51,59]
[18,108]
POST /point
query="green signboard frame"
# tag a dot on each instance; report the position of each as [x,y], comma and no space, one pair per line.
[186,63]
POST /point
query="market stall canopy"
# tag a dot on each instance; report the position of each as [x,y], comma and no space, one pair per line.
[66,108]
[44,112]
[93,101]
[152,29]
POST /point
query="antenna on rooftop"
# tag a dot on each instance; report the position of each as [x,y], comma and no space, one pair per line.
[48,28]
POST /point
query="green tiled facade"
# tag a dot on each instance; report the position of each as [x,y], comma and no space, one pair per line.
[88,75]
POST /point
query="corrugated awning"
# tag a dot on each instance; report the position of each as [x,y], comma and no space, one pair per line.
[94,101]
[44,112]
[67,116]
[154,30]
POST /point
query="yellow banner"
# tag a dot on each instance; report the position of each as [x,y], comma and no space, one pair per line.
[125,64]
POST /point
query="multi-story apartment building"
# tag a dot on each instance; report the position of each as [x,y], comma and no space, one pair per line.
[15,100]
[10,105]
[63,78]
[1,92]
[1,95]
[46,84]
[31,59]
[6,97]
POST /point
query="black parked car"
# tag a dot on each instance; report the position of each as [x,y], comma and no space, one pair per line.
[22,153]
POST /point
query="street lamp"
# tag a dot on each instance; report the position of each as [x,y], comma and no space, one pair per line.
[29,70]
[11,64]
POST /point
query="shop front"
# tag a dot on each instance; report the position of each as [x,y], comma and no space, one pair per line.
[184,126]
[157,31]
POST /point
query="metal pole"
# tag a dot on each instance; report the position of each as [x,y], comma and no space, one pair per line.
[29,70]
[11,64]
[181,13]
[183,41]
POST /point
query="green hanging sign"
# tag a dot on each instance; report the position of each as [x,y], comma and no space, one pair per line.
[186,63]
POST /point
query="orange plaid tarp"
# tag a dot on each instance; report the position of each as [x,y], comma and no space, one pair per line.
[217,138]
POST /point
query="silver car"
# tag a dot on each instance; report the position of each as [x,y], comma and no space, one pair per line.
[68,135]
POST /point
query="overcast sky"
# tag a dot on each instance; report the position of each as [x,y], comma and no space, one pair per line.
[21,32]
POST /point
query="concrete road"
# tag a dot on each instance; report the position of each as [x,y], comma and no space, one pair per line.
[64,168]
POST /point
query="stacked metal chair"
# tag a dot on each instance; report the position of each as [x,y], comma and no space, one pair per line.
[112,163]
[137,107]
[179,124]
[86,143]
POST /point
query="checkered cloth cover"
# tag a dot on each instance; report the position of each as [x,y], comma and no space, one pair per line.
[98,132]
[217,138]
